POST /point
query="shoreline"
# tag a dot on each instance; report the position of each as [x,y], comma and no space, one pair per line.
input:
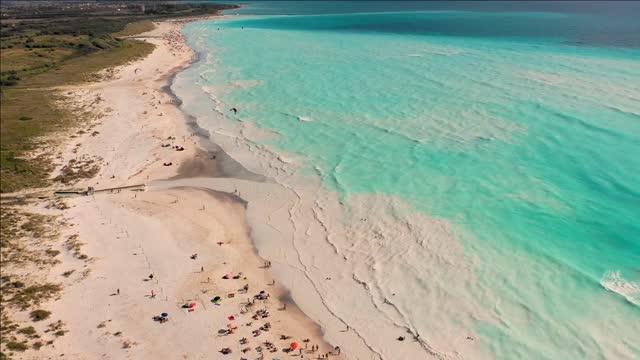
[206,145]
[130,155]
[319,243]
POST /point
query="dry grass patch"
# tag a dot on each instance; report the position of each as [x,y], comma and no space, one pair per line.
[23,126]
[73,245]
[136,28]
[25,245]
[26,297]
[76,170]
[26,238]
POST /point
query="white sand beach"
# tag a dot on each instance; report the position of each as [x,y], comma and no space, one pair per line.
[141,245]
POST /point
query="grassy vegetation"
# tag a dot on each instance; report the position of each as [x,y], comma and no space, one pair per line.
[27,297]
[37,46]
[23,124]
[39,315]
[37,56]
[17,346]
[135,28]
[74,246]
[29,331]
[26,243]
[76,170]
[57,46]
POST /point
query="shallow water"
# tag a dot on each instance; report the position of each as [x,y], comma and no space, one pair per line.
[485,162]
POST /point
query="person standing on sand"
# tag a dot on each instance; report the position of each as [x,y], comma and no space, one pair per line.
[118,291]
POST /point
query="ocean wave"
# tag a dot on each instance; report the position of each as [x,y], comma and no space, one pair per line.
[613,281]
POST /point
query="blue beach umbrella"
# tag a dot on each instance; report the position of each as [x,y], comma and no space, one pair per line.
[164,315]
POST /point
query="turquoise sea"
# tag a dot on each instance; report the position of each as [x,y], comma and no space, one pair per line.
[516,123]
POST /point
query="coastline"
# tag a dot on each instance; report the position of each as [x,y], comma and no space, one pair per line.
[319,244]
[107,307]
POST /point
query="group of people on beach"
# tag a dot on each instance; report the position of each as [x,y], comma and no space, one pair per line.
[262,299]
[175,147]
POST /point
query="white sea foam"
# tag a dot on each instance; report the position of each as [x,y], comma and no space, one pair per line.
[286,160]
[242,84]
[614,282]
[444,51]
[304,118]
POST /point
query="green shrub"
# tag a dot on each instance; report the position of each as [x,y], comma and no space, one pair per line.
[39,315]
[16,346]
[7,82]
[29,330]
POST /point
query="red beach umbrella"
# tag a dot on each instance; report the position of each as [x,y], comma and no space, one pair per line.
[294,345]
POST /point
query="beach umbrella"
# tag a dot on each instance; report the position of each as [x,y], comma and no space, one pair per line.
[294,345]
[164,315]
[262,292]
